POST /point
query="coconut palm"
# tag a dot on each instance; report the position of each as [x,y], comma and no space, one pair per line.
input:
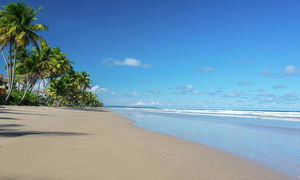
[28,67]
[34,65]
[37,66]
[18,31]
[59,63]
[71,90]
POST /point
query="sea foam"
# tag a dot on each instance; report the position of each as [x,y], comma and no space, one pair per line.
[270,115]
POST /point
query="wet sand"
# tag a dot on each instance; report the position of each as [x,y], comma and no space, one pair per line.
[87,144]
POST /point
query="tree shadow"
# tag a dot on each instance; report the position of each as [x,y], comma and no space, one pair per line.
[8,118]
[10,125]
[8,111]
[7,131]
[16,133]
[5,127]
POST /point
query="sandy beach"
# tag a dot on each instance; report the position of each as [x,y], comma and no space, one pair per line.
[91,144]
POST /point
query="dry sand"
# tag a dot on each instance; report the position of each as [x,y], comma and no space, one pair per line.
[42,143]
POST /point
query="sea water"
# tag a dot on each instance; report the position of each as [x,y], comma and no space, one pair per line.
[271,138]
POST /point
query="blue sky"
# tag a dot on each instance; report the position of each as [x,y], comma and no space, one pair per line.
[233,54]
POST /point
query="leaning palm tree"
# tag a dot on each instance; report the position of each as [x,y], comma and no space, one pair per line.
[16,32]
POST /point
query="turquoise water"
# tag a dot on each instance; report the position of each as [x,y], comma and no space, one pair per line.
[266,137]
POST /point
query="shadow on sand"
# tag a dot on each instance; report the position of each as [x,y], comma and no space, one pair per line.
[6,131]
[9,125]
[12,130]
[16,133]
[10,111]
[9,118]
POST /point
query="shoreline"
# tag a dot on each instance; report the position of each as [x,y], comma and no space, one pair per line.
[74,143]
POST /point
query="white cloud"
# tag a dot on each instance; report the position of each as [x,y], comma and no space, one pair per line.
[287,71]
[217,92]
[261,90]
[143,103]
[134,93]
[279,86]
[287,98]
[207,69]
[196,92]
[243,83]
[126,62]
[266,72]
[237,94]
[153,91]
[95,88]
[291,70]
[267,95]
[98,89]
[187,87]
[180,92]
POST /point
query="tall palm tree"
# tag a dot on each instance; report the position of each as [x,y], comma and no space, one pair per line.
[18,31]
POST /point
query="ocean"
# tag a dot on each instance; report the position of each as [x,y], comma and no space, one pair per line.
[270,138]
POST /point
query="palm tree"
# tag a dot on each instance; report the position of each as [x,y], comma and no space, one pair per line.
[28,67]
[37,66]
[71,89]
[59,64]
[85,80]
[16,32]
[34,65]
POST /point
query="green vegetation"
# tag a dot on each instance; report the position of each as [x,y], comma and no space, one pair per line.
[37,73]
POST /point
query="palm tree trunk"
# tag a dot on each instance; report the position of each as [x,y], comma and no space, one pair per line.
[24,84]
[5,60]
[24,94]
[54,101]
[32,86]
[9,82]
[26,88]
[58,103]
[12,74]
[6,65]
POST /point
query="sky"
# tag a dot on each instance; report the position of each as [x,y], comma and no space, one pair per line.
[204,54]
